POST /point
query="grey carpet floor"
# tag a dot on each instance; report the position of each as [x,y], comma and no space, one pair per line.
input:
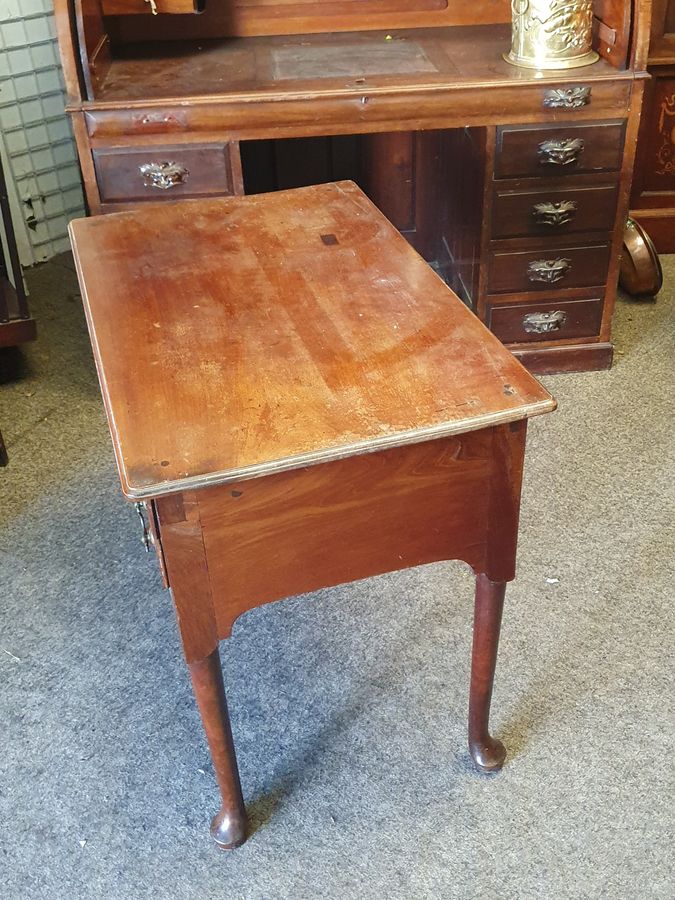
[348,706]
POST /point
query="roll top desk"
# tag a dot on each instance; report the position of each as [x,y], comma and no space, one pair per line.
[513,183]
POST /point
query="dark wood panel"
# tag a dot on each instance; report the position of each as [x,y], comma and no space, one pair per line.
[197,170]
[302,161]
[462,187]
[248,17]
[563,150]
[526,322]
[377,512]
[282,113]
[389,175]
[135,7]
[547,267]
[521,211]
[592,357]
[612,30]
[94,44]
[657,147]
[17,331]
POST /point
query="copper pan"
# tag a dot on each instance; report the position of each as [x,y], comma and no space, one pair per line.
[641,274]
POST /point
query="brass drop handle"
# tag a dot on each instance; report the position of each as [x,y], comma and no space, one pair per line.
[548,271]
[163,175]
[563,152]
[146,534]
[567,98]
[555,212]
[544,322]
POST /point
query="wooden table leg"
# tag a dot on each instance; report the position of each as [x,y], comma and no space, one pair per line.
[228,827]
[487,752]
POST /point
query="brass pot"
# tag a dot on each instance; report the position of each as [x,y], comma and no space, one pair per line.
[551,34]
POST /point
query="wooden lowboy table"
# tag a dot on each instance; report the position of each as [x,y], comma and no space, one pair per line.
[301,402]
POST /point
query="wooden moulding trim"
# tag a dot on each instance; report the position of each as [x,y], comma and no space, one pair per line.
[642,20]
[576,358]
[285,94]
[17,331]
[67,47]
[400,439]
[625,183]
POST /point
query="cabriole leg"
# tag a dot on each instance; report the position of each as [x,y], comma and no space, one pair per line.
[488,754]
[228,827]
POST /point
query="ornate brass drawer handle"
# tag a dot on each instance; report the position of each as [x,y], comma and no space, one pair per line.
[563,152]
[163,175]
[567,98]
[544,322]
[549,271]
[555,213]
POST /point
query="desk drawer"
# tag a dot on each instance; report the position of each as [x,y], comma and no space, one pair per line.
[546,321]
[166,173]
[565,150]
[525,213]
[547,267]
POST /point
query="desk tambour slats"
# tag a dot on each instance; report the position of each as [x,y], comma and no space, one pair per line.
[283,380]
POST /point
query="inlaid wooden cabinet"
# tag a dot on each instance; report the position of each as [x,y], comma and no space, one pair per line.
[513,184]
[653,199]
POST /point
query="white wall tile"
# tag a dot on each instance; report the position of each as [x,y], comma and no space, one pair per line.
[35,135]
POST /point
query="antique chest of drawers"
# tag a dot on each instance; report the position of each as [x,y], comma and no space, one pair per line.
[555,195]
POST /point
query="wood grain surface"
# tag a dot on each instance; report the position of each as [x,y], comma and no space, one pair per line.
[241,336]
[363,61]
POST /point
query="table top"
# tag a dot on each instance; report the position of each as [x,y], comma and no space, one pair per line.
[242,336]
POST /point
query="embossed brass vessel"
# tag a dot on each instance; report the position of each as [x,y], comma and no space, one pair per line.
[551,34]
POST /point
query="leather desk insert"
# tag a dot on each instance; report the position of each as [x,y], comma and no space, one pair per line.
[300,401]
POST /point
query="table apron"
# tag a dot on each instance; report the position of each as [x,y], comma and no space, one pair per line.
[236,546]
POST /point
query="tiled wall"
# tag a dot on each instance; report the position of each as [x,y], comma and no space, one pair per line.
[39,152]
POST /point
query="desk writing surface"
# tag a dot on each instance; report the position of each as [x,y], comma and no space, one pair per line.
[239,336]
[324,63]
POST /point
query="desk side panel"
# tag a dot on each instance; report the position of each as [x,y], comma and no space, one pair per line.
[295,532]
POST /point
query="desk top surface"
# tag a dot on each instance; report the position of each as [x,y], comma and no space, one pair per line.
[315,64]
[243,336]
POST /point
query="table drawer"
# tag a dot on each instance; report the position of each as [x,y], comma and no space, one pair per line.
[546,321]
[525,213]
[537,151]
[546,267]
[157,173]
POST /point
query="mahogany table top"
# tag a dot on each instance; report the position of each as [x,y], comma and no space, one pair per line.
[241,336]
